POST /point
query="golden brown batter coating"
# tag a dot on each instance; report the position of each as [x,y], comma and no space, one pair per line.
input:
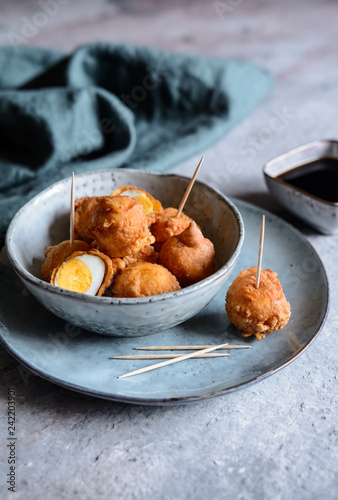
[167,225]
[189,256]
[84,209]
[146,254]
[119,226]
[57,254]
[144,279]
[257,311]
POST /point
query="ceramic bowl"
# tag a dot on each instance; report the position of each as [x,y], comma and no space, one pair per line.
[44,221]
[318,213]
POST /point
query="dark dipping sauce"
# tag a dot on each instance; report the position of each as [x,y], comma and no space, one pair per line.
[319,178]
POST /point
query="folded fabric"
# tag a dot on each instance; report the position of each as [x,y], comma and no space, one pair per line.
[108,106]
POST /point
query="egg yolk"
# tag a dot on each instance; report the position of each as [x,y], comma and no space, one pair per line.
[146,204]
[74,275]
[140,198]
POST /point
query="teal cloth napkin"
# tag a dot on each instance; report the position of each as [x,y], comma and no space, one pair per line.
[107,106]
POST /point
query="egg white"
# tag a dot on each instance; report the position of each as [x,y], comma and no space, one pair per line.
[133,193]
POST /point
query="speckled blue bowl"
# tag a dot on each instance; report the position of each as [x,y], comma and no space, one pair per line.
[44,221]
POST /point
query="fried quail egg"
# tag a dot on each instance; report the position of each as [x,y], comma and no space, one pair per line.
[83,274]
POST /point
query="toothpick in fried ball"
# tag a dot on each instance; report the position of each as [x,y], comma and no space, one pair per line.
[257,311]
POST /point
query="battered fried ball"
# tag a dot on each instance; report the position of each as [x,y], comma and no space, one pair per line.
[189,256]
[84,209]
[56,254]
[257,311]
[151,207]
[119,226]
[167,225]
[143,280]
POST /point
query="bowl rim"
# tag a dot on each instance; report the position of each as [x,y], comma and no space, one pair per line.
[37,282]
[286,184]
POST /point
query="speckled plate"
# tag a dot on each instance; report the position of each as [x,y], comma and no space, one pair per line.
[79,360]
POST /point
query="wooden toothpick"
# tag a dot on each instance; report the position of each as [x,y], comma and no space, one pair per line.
[189,188]
[260,252]
[72,211]
[167,356]
[186,347]
[170,361]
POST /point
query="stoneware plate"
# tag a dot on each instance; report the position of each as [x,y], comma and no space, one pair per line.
[79,360]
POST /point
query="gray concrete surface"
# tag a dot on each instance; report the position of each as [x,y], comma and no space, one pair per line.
[274,440]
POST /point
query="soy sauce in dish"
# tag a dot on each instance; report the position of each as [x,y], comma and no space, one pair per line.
[319,178]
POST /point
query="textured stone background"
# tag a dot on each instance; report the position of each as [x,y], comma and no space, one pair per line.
[274,440]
